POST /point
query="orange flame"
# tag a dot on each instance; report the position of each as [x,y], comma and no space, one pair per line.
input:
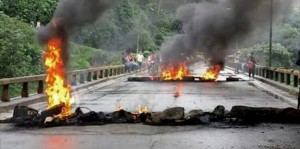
[58,91]
[118,107]
[143,109]
[212,73]
[172,72]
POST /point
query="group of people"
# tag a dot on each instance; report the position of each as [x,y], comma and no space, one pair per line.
[132,61]
[249,64]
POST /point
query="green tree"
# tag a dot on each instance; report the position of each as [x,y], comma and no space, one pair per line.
[1,5]
[131,25]
[30,10]
[124,16]
[288,36]
[281,57]
[19,53]
[96,35]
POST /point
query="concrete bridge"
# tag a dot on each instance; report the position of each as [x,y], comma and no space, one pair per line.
[101,89]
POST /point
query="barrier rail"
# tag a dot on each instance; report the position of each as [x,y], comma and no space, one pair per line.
[76,77]
[288,77]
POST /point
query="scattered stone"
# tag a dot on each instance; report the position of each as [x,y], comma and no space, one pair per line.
[121,116]
[266,114]
[227,114]
[239,115]
[205,119]
[193,113]
[290,115]
[219,111]
[154,118]
[175,113]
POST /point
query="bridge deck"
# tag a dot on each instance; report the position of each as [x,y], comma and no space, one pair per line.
[159,96]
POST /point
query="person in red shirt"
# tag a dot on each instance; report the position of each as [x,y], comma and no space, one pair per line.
[251,65]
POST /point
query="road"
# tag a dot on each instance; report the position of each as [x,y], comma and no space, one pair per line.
[157,97]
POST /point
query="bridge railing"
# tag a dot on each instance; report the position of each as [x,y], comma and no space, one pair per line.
[289,77]
[75,77]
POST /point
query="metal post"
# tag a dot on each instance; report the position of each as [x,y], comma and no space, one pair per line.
[5,93]
[138,43]
[25,90]
[271,33]
[159,6]
[40,89]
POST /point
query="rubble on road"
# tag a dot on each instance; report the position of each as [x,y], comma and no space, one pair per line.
[239,115]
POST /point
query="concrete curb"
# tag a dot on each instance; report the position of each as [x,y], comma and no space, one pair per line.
[6,106]
[274,84]
[277,85]
[274,94]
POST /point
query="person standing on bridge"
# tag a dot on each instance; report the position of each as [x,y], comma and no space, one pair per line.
[140,59]
[251,65]
[237,56]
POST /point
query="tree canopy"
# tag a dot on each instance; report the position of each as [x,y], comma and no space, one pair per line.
[131,24]
[30,10]
[19,53]
[281,57]
[286,43]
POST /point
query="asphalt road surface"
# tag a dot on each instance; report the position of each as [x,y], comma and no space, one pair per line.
[157,97]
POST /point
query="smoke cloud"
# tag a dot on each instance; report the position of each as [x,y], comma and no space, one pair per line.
[70,17]
[212,28]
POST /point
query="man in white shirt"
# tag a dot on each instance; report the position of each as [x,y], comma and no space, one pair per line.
[140,59]
[237,61]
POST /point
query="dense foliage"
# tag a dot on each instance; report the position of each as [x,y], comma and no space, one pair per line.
[30,10]
[129,26]
[280,54]
[18,49]
[132,25]
[286,43]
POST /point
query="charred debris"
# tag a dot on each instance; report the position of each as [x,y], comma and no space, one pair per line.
[24,116]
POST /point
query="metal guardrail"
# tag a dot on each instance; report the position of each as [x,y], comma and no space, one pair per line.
[288,77]
[76,77]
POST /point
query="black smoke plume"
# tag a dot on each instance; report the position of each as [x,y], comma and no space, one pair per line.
[212,27]
[69,17]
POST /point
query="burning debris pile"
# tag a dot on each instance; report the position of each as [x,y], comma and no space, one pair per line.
[57,91]
[28,117]
[180,72]
[212,73]
[70,16]
[174,72]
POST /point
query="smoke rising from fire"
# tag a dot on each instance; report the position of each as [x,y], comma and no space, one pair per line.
[69,17]
[213,27]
